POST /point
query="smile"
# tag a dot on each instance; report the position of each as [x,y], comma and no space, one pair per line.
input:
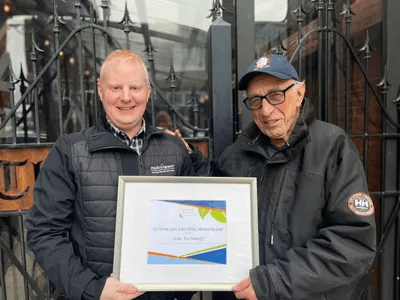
[269,122]
[126,108]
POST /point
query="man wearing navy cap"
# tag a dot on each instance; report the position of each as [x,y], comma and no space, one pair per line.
[315,216]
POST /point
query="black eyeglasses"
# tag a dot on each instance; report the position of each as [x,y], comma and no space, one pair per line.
[273,98]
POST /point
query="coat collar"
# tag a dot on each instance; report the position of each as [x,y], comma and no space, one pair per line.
[103,139]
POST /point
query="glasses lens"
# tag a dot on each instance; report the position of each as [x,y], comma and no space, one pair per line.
[253,102]
[276,98]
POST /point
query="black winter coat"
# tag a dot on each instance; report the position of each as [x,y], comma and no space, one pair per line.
[316,219]
[71,226]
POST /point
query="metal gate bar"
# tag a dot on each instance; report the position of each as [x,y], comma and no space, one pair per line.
[28,280]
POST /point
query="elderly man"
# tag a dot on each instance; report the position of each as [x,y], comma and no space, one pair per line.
[71,226]
[315,217]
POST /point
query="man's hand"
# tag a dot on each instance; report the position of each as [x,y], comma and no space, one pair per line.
[117,290]
[178,134]
[244,290]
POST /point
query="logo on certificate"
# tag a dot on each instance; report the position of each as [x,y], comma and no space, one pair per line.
[187,232]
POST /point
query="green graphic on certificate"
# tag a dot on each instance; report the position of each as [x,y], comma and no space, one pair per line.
[187,232]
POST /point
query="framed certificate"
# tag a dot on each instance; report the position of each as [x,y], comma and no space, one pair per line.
[185,233]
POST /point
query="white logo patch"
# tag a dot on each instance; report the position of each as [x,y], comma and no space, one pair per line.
[162,169]
[262,63]
[361,204]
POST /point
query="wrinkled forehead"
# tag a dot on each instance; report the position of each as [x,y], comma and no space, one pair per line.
[266,82]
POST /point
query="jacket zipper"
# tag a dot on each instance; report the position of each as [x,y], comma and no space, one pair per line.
[140,164]
[140,161]
[274,217]
[276,209]
[145,144]
[272,232]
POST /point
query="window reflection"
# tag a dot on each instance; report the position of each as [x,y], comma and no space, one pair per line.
[269,11]
[177,30]
[270,24]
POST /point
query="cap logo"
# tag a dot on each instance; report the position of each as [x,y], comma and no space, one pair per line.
[361,204]
[263,62]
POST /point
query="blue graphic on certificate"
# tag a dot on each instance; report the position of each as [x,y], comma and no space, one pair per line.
[187,232]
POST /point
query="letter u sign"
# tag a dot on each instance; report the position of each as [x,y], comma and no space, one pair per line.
[19,168]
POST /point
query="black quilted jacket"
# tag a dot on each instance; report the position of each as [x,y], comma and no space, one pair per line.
[71,226]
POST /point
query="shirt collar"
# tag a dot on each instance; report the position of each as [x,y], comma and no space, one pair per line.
[116,130]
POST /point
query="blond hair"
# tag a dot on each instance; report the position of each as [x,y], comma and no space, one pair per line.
[121,55]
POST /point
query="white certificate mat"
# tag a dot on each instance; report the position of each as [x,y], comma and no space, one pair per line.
[185,233]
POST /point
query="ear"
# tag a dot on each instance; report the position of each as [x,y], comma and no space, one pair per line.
[100,91]
[301,91]
[148,94]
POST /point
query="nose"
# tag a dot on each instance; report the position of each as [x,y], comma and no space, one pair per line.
[126,94]
[266,107]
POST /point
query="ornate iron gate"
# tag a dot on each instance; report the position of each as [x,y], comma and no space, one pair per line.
[351,76]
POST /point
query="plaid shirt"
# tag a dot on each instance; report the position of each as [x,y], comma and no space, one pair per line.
[136,143]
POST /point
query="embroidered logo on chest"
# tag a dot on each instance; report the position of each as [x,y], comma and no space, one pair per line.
[162,169]
[361,204]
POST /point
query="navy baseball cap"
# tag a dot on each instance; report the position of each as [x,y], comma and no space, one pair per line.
[274,64]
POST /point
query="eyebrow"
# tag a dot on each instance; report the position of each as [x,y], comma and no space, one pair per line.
[274,89]
[270,91]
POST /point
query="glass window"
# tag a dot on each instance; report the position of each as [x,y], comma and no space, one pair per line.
[270,24]
[269,11]
[177,30]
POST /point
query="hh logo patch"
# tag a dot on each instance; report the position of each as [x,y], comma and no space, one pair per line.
[162,169]
[361,204]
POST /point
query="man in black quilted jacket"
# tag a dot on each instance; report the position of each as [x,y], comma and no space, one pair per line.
[71,227]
